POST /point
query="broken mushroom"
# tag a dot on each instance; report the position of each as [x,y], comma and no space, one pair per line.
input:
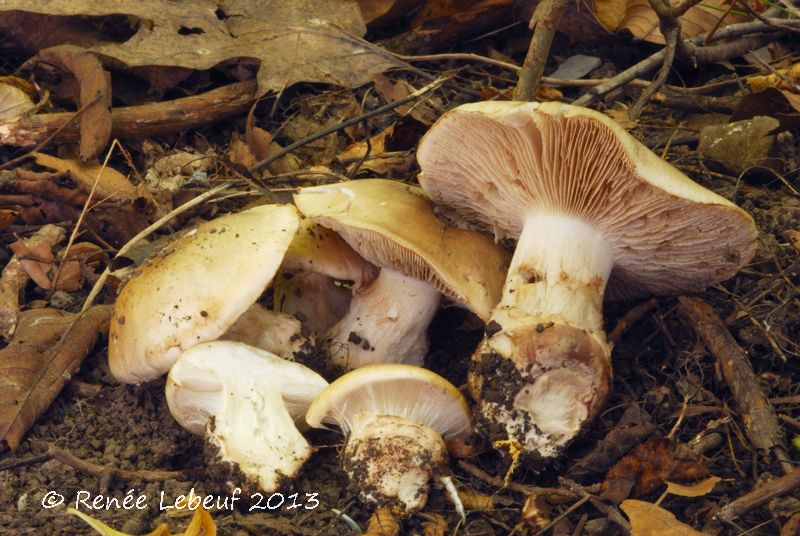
[396,418]
[589,205]
[196,289]
[317,275]
[393,226]
[247,402]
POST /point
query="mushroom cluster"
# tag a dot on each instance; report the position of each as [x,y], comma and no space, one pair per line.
[356,272]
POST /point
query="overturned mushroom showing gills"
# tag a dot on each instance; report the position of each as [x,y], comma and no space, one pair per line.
[397,418]
[196,289]
[247,402]
[393,226]
[587,202]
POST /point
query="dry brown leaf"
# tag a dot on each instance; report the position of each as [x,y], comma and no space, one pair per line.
[89,86]
[112,184]
[642,21]
[380,13]
[647,519]
[262,145]
[202,524]
[37,261]
[475,500]
[46,350]
[704,487]
[382,523]
[646,468]
[439,22]
[14,102]
[300,41]
[782,105]
[434,524]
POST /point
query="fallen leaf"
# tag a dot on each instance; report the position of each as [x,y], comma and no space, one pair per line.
[794,239]
[434,524]
[642,21]
[89,86]
[37,261]
[45,351]
[782,105]
[381,13]
[382,523]
[704,487]
[13,100]
[302,41]
[646,468]
[441,22]
[741,145]
[788,79]
[202,524]
[111,185]
[650,520]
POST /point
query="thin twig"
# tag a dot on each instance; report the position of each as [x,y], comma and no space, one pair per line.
[101,470]
[350,122]
[544,23]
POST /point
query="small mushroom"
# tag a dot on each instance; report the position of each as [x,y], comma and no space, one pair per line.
[393,226]
[248,403]
[396,418]
[196,289]
[587,202]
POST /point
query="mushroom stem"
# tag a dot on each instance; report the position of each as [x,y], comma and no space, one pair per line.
[387,322]
[392,459]
[549,325]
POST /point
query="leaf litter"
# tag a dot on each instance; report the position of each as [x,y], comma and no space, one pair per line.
[314,68]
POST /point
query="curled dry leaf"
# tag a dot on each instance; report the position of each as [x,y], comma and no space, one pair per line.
[46,350]
[111,185]
[704,487]
[650,520]
[41,266]
[773,102]
[646,468]
[202,524]
[13,100]
[301,41]
[788,79]
[382,523]
[434,524]
[89,86]
[15,277]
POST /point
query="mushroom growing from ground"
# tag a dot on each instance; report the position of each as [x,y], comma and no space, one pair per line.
[393,226]
[587,202]
[197,288]
[396,418]
[247,402]
[317,275]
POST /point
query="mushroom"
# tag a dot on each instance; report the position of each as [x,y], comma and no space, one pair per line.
[196,289]
[247,402]
[396,418]
[317,274]
[587,202]
[393,226]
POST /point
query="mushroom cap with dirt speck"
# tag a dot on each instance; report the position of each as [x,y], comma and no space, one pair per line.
[413,393]
[495,161]
[248,403]
[195,290]
[393,225]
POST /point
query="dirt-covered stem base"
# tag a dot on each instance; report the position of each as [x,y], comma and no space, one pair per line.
[549,326]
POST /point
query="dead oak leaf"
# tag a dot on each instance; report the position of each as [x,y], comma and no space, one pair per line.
[301,41]
[45,351]
[88,85]
[202,524]
[646,468]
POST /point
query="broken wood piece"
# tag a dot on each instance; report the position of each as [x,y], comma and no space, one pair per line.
[15,277]
[137,121]
[102,470]
[758,416]
[785,485]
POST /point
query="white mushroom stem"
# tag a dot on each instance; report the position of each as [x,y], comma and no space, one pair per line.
[558,274]
[387,322]
[391,459]
[549,323]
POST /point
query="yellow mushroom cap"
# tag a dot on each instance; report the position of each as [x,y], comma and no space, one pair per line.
[413,393]
[393,225]
[197,289]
